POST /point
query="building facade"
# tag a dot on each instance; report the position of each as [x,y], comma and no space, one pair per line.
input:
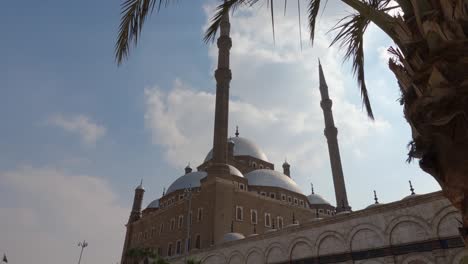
[236,208]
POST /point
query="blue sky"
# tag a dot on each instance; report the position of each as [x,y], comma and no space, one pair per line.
[78,132]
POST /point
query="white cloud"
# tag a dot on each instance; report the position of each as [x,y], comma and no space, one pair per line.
[46,211]
[81,125]
[274,100]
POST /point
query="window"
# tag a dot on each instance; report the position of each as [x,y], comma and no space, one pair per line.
[241,186]
[263,193]
[253,216]
[181,221]
[273,195]
[197,241]
[301,202]
[267,220]
[260,166]
[279,221]
[295,201]
[289,199]
[254,164]
[239,213]
[321,211]
[200,214]
[328,212]
[169,250]
[283,197]
[172,224]
[161,228]
[181,196]
[178,247]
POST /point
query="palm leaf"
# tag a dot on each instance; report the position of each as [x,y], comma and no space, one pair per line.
[224,8]
[350,36]
[314,7]
[133,16]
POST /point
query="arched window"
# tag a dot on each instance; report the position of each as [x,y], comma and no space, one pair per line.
[199,214]
[279,220]
[172,224]
[254,164]
[198,242]
[253,216]
[181,221]
[239,213]
[267,220]
[260,166]
[178,247]
[169,250]
[273,195]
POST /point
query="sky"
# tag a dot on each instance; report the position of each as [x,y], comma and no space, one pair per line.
[78,132]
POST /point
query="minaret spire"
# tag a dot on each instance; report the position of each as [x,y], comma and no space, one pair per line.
[333,150]
[223,79]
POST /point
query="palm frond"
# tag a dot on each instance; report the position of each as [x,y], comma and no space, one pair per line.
[314,7]
[224,8]
[350,36]
[133,16]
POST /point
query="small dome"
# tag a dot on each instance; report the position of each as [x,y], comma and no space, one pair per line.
[316,199]
[234,171]
[410,196]
[189,180]
[343,212]
[374,205]
[243,147]
[153,205]
[232,237]
[272,178]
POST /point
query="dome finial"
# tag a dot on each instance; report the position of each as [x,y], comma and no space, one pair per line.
[188,169]
[312,188]
[237,131]
[141,184]
[411,188]
[375,198]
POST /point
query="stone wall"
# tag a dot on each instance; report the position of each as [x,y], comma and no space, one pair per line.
[421,229]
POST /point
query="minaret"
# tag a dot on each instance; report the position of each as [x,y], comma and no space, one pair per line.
[137,203]
[135,215]
[223,79]
[331,134]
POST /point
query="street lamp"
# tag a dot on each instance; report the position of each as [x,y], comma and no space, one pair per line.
[82,245]
[188,196]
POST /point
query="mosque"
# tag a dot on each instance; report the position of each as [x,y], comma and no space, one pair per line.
[237,208]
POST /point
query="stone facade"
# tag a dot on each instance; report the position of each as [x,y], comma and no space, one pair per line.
[417,230]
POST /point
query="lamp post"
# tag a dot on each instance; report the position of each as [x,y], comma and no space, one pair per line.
[188,196]
[82,245]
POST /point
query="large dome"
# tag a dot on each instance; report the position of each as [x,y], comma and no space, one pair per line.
[272,178]
[192,179]
[189,180]
[243,147]
[317,199]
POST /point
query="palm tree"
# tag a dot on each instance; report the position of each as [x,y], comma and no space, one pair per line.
[430,62]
